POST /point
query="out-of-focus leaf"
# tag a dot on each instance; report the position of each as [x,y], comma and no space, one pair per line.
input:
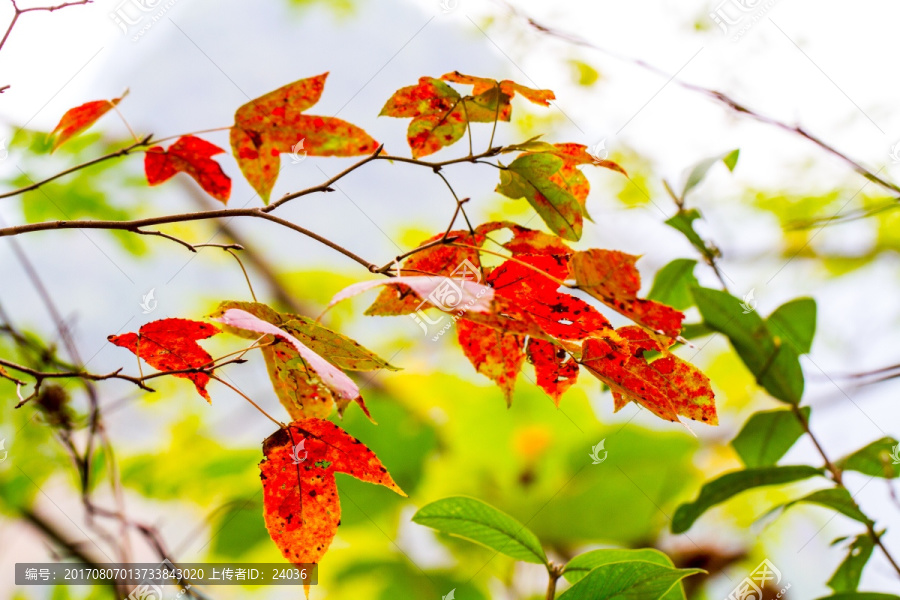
[881,458]
[774,363]
[730,484]
[673,283]
[239,529]
[767,436]
[795,323]
[683,221]
[698,173]
[846,577]
[861,596]
[837,499]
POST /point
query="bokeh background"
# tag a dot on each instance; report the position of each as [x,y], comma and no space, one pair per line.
[190,468]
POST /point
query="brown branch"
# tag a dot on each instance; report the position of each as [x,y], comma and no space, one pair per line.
[117,154]
[715,95]
[22,11]
[839,482]
[40,376]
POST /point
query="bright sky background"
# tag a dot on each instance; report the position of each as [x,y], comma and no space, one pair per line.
[826,65]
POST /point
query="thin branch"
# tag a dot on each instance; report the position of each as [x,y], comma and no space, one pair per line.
[117,154]
[22,11]
[839,481]
[715,95]
[248,399]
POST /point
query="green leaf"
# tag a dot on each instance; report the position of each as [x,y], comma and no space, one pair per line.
[795,322]
[775,365]
[482,523]
[586,562]
[528,176]
[698,173]
[861,596]
[879,459]
[583,564]
[838,499]
[846,577]
[683,221]
[673,284]
[636,579]
[767,436]
[690,331]
[239,529]
[730,484]
[731,159]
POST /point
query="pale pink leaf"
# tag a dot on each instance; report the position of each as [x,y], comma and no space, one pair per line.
[330,375]
[464,294]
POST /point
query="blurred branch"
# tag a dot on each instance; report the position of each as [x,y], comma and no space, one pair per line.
[40,376]
[837,477]
[717,96]
[21,11]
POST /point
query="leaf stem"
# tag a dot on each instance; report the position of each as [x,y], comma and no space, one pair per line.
[839,482]
[555,572]
[247,398]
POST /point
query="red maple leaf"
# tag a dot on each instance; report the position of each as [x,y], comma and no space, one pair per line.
[274,124]
[191,155]
[77,119]
[666,386]
[611,277]
[171,345]
[300,497]
[532,281]
[555,369]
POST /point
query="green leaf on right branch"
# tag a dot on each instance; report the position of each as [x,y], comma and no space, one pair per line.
[731,484]
[767,436]
[480,522]
[846,577]
[769,349]
[881,458]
